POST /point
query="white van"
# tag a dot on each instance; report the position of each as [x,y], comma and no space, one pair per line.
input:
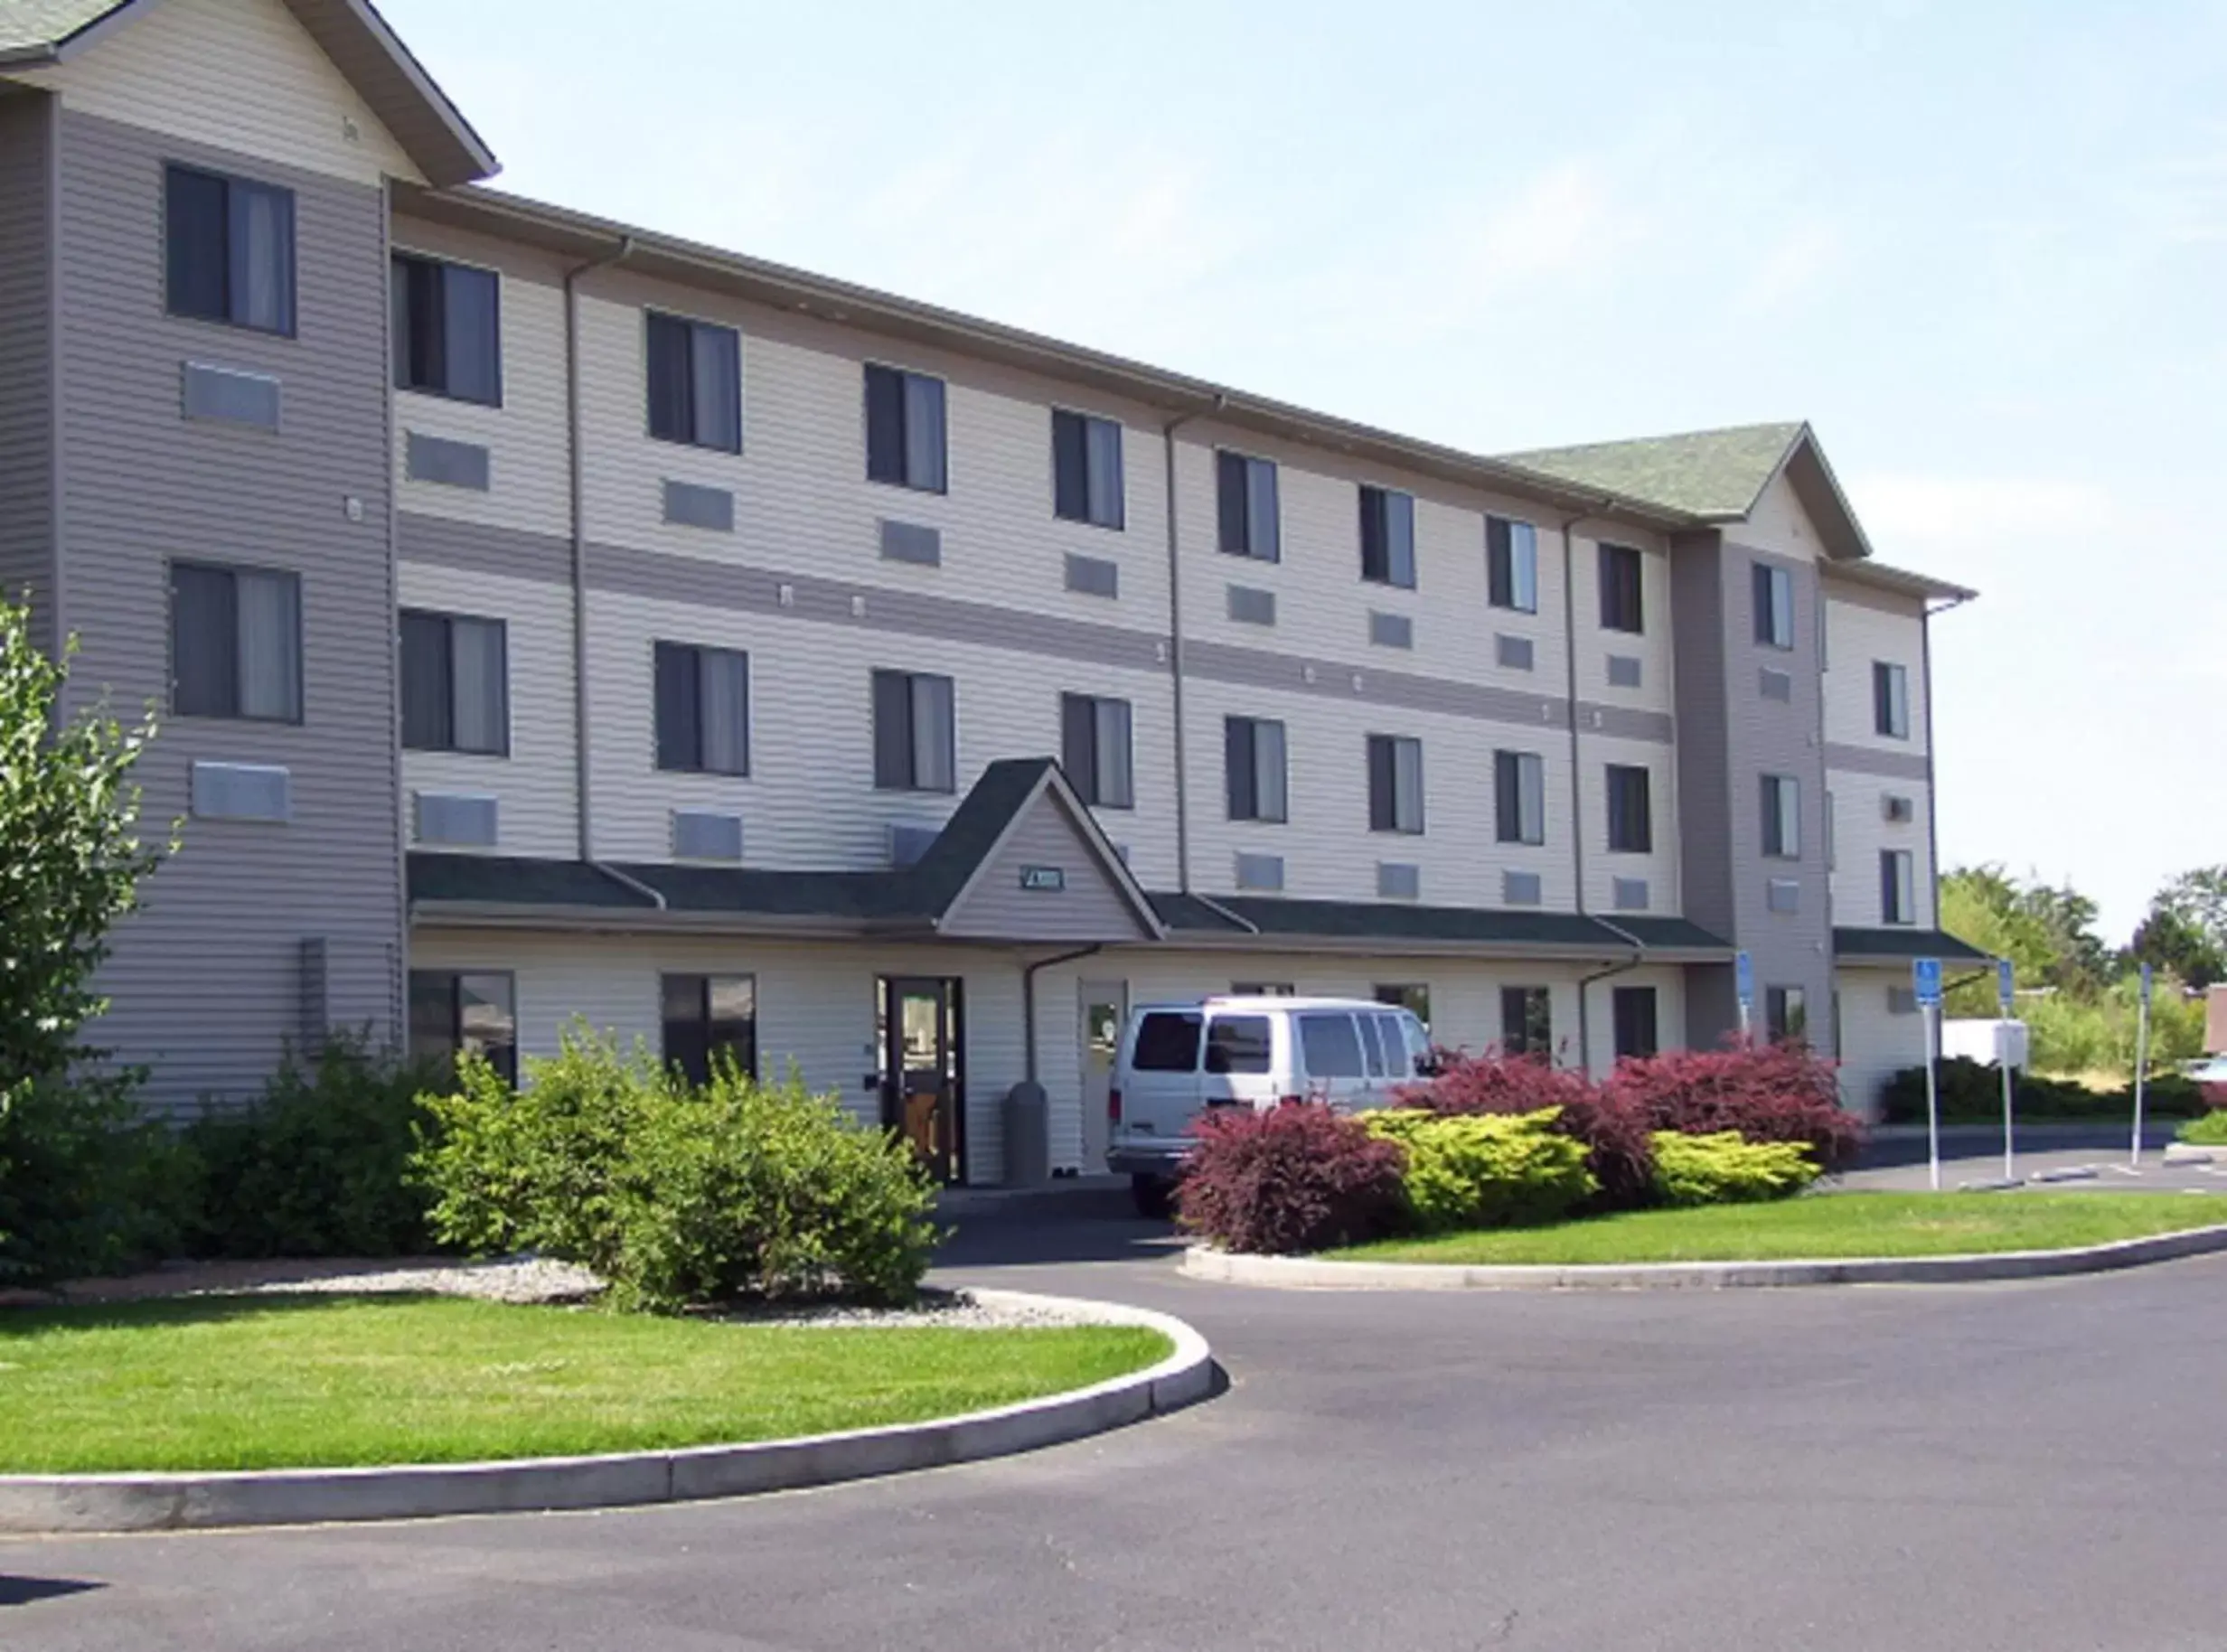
[1175,1060]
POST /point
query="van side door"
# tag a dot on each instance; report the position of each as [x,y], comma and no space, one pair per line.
[1240,1060]
[1332,1066]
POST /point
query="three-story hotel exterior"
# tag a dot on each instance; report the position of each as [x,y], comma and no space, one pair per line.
[551,618]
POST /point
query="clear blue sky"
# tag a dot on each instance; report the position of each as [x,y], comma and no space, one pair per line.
[1982,247]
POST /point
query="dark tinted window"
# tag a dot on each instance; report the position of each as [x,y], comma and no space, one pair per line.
[695,382]
[1167,1042]
[453,1012]
[1631,823]
[1635,1021]
[1621,606]
[904,429]
[1416,998]
[1331,1046]
[446,337]
[1388,536]
[1526,1022]
[1245,506]
[229,249]
[1237,1044]
[1086,469]
[709,1016]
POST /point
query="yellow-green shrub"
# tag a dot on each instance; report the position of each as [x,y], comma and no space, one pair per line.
[1485,1170]
[1725,1168]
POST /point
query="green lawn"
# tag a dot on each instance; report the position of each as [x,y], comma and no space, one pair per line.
[266,1381]
[1824,1226]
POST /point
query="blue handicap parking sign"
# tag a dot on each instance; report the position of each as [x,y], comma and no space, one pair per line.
[2005,984]
[1744,978]
[1926,980]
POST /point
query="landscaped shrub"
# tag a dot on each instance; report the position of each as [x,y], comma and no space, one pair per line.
[1292,1179]
[2209,1130]
[88,1185]
[1481,1170]
[676,1196]
[1615,1133]
[1765,1092]
[318,1165]
[1971,1092]
[1727,1169]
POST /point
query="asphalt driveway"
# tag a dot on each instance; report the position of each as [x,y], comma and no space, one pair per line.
[1994,1467]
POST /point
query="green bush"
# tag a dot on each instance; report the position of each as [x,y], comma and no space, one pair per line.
[1485,1170]
[89,1184]
[1725,1168]
[316,1165]
[2209,1130]
[676,1196]
[1971,1092]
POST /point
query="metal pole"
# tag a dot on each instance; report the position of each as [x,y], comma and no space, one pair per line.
[2010,1169]
[1933,1094]
[2141,1066]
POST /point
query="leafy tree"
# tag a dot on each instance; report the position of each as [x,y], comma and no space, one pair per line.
[2185,932]
[2048,933]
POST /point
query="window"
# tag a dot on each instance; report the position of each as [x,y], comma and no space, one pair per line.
[447,339]
[1782,816]
[703,709]
[1413,998]
[1774,607]
[695,380]
[1786,1015]
[1512,564]
[1388,537]
[1898,895]
[1635,1022]
[1890,700]
[708,1016]
[1263,989]
[1395,783]
[1252,757]
[1237,1044]
[1246,503]
[1622,608]
[455,677]
[1086,469]
[914,737]
[1167,1042]
[1095,750]
[1331,1046]
[1526,1022]
[1631,821]
[229,250]
[235,643]
[905,430]
[456,1013]
[1519,796]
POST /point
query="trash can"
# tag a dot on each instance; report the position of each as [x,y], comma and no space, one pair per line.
[1028,1136]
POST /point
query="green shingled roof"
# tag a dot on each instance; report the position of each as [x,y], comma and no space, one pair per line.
[26,24]
[1707,472]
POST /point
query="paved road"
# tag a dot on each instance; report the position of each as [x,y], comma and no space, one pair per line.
[2000,1467]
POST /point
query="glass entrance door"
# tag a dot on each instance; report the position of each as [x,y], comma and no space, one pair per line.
[922,1087]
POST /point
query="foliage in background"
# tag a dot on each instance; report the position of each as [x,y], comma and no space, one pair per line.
[1971,1092]
[2185,930]
[1764,1092]
[1290,1179]
[1725,1168]
[1481,1170]
[1615,1134]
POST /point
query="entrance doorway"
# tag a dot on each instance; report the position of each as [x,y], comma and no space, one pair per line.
[923,1069]
[1105,1005]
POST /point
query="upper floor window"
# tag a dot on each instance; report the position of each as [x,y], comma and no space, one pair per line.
[1631,821]
[905,430]
[229,250]
[1622,606]
[458,1012]
[447,336]
[1395,783]
[1898,893]
[1519,796]
[1774,606]
[915,734]
[1512,564]
[708,1019]
[456,694]
[1637,1035]
[1890,700]
[1086,469]
[235,643]
[1526,1022]
[1253,758]
[695,378]
[1095,750]
[1245,506]
[1388,537]
[1781,817]
[703,709]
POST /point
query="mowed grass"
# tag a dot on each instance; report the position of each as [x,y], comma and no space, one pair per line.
[1824,1226]
[263,1382]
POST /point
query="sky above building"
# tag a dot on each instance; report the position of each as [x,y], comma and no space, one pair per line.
[1981,247]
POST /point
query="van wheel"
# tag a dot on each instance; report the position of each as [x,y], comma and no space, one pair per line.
[1154,1197]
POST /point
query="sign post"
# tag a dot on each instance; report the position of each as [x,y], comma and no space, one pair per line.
[2006,988]
[1925,984]
[2141,1065]
[1744,988]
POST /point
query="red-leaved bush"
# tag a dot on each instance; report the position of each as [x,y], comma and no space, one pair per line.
[1766,1091]
[1618,1151]
[1292,1179]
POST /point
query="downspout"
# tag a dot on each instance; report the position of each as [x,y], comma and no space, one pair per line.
[1585,988]
[578,485]
[1028,1001]
[1175,652]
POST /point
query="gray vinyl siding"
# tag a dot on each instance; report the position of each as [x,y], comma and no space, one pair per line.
[1089,908]
[27,361]
[209,979]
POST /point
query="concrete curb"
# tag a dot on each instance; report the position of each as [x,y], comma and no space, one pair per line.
[1307,1272]
[50,1503]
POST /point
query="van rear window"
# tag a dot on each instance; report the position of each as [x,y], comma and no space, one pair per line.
[1332,1048]
[1237,1044]
[1167,1042]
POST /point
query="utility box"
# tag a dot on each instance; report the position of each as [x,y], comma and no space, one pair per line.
[1990,1043]
[1028,1135]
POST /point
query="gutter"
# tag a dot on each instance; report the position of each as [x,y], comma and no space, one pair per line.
[1028,1001]
[1585,985]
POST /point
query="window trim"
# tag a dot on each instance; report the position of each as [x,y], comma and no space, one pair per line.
[1764,584]
[1120,524]
[703,979]
[396,255]
[232,570]
[1886,703]
[1393,745]
[1512,606]
[911,679]
[1524,762]
[292,328]
[1090,787]
[1617,998]
[1898,876]
[448,618]
[455,977]
[1382,495]
[868,367]
[1520,1042]
[694,324]
[1779,842]
[1230,720]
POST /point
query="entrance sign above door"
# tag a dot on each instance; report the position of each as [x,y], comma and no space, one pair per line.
[1051,878]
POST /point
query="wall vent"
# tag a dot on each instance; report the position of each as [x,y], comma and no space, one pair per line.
[1520,889]
[1628,895]
[1398,880]
[911,542]
[1391,631]
[688,504]
[1094,576]
[243,791]
[701,835]
[1260,872]
[1782,895]
[1515,653]
[1252,607]
[1776,684]
[907,843]
[1623,670]
[1898,811]
[456,465]
[226,395]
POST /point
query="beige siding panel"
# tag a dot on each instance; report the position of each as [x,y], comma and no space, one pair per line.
[1089,906]
[1861,829]
[1670,986]
[1856,634]
[1779,525]
[1659,868]
[238,74]
[1651,648]
[1875,1043]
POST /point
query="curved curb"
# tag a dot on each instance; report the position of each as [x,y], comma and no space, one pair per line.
[1308,1273]
[50,1503]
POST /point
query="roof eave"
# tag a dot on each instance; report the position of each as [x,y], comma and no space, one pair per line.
[644,918]
[1902,580]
